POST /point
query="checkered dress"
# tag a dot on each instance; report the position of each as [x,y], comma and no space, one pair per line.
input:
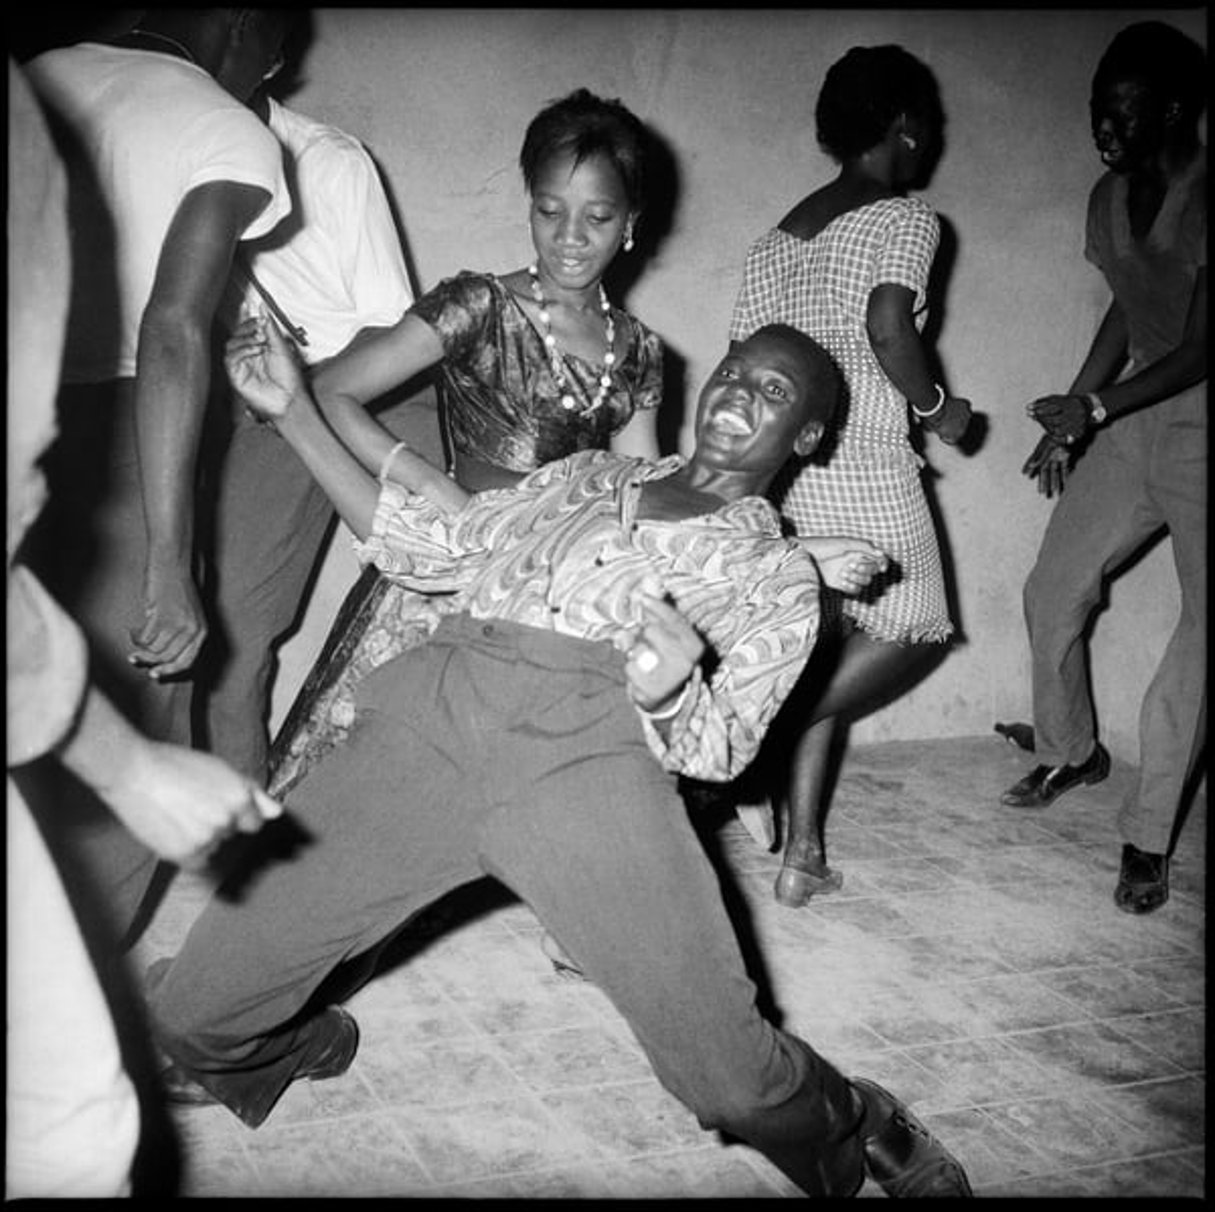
[865,481]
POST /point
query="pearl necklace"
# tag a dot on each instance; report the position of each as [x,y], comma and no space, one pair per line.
[555,359]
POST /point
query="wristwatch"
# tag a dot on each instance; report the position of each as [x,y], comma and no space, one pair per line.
[1097,411]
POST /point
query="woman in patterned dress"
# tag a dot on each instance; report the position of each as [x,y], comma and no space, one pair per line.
[534,365]
[849,265]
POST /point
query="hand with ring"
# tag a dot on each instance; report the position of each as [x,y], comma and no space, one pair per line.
[1065,418]
[663,652]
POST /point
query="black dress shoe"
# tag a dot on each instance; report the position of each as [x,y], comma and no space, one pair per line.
[1143,882]
[1044,784]
[901,1155]
[335,1027]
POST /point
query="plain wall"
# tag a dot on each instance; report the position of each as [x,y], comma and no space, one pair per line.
[442,97]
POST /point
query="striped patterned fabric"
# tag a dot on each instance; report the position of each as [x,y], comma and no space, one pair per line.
[565,551]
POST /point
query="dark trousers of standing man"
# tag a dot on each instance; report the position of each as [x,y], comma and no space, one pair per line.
[504,750]
[267,527]
[1146,472]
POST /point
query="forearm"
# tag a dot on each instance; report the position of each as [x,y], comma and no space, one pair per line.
[102,747]
[1106,356]
[896,344]
[358,431]
[1161,380]
[363,373]
[344,478]
[170,403]
[406,467]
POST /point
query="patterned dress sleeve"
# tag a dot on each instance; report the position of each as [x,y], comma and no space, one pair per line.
[905,258]
[459,309]
[648,390]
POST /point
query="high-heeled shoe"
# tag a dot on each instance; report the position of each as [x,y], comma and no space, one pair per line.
[796,885]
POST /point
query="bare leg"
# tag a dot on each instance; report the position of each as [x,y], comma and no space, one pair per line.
[861,673]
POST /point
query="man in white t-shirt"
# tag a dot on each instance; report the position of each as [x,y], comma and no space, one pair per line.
[168,172]
[332,270]
[72,1118]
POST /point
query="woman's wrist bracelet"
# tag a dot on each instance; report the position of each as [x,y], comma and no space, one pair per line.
[936,408]
[386,465]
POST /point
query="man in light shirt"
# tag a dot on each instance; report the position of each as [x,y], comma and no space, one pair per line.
[332,271]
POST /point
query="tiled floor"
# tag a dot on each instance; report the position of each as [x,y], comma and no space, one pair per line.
[974,963]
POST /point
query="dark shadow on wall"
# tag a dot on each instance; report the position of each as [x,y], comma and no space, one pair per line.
[662,193]
[32,29]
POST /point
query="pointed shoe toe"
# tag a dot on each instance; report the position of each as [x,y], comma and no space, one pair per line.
[901,1155]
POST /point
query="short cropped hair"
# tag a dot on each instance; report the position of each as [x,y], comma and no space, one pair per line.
[584,125]
[865,91]
[1172,65]
[825,385]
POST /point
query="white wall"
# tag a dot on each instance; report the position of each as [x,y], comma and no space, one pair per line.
[441,97]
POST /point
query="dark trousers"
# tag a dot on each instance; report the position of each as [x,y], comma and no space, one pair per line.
[505,750]
[269,524]
[1146,473]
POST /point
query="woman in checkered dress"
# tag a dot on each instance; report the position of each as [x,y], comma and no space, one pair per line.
[849,265]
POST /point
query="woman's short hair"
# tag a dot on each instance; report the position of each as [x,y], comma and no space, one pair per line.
[865,91]
[584,125]
[1172,65]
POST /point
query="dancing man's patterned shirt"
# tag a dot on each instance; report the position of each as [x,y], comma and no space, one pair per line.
[564,550]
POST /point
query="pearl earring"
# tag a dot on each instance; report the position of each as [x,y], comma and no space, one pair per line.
[908,142]
[628,240]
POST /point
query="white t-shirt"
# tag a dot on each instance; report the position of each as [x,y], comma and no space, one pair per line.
[139,130]
[336,265]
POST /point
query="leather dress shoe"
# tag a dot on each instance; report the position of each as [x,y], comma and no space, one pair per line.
[901,1155]
[1044,784]
[1143,882]
[335,1027]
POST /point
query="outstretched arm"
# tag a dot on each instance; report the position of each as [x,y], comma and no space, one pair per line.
[1066,418]
[263,371]
[179,802]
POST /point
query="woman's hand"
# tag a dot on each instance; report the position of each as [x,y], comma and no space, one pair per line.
[263,369]
[952,422]
[1065,418]
[662,656]
[845,564]
[1049,463]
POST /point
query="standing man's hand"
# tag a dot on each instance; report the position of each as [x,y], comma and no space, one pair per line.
[174,628]
[1050,464]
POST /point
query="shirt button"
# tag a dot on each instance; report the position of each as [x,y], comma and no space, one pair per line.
[555,609]
[487,629]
